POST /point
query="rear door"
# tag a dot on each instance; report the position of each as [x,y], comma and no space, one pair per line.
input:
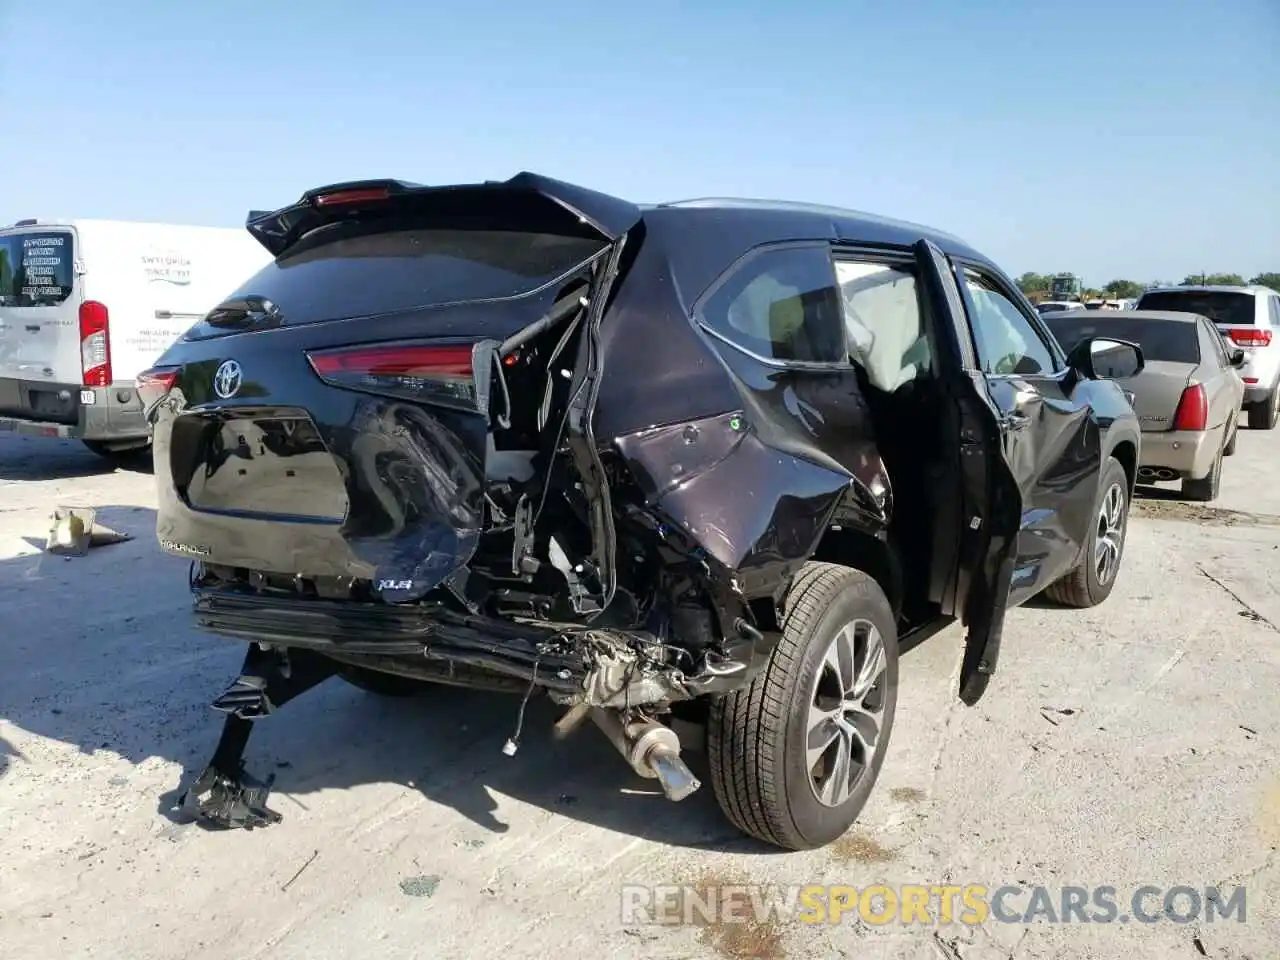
[1222,384]
[1051,441]
[158,280]
[39,339]
[1040,454]
[992,498]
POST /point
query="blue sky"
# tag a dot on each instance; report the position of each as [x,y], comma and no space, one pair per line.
[945,113]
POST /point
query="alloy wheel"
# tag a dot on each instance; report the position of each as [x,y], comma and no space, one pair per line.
[846,712]
[1110,535]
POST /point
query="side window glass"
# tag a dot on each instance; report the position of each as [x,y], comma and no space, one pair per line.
[781,305]
[883,324]
[1275,311]
[1005,340]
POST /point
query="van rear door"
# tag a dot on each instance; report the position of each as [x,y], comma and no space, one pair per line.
[157,280]
[39,323]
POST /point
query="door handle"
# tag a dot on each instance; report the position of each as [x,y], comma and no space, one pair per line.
[1015,421]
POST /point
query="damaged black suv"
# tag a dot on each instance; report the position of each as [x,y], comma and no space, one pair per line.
[716,460]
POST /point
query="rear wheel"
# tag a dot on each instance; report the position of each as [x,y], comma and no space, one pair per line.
[1264,413]
[795,754]
[383,684]
[1092,581]
[1205,488]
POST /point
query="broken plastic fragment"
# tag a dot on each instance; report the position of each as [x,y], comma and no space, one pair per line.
[73,532]
[223,801]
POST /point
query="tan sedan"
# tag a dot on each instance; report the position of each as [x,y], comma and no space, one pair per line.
[1187,397]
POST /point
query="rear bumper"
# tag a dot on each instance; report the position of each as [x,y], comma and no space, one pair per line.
[593,665]
[1258,392]
[1263,369]
[70,411]
[381,630]
[1186,453]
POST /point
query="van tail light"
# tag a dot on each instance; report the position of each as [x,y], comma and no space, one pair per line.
[1193,409]
[432,372]
[154,385]
[95,346]
[1250,337]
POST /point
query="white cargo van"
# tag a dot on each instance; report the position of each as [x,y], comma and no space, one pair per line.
[87,305]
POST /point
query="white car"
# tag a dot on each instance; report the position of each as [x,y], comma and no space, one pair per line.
[1056,306]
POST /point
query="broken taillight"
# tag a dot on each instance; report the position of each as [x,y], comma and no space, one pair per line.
[1193,409]
[154,385]
[432,372]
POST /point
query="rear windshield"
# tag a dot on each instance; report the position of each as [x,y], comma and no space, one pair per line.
[1232,309]
[358,271]
[1169,340]
[36,269]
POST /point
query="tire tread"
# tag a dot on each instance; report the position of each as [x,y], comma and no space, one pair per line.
[1073,589]
[745,726]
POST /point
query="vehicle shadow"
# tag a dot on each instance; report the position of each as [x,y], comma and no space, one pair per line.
[41,458]
[1144,491]
[107,662]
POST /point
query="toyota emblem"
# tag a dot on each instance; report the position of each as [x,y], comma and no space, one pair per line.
[226,382]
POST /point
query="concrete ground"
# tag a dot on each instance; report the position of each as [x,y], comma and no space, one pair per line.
[1133,744]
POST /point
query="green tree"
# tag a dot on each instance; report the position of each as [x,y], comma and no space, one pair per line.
[1270,279]
[1123,289]
[1214,280]
[1031,282]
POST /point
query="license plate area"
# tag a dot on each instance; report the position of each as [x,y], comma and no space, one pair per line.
[270,465]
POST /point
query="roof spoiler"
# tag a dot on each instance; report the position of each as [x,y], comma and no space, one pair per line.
[279,230]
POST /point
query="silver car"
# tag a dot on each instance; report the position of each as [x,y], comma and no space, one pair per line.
[1250,317]
[1187,395]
